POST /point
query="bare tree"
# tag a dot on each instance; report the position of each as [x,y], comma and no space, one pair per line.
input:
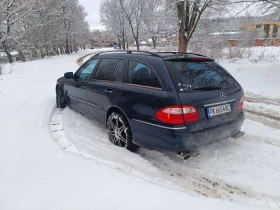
[189,14]
[133,11]
[113,17]
[96,38]
[13,13]
[45,27]
[158,16]
[264,5]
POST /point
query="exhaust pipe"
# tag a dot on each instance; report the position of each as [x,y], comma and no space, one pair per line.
[238,134]
[187,154]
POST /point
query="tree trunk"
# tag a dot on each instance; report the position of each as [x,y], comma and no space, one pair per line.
[127,45]
[122,43]
[9,56]
[21,56]
[61,50]
[183,44]
[47,51]
[154,39]
[123,39]
[42,53]
[75,49]
[137,43]
[74,45]
[67,46]
[55,49]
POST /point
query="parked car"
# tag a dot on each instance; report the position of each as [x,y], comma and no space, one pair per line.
[116,46]
[173,102]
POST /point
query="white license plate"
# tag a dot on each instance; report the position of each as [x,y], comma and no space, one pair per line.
[217,110]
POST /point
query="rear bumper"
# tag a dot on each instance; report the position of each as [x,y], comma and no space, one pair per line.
[164,139]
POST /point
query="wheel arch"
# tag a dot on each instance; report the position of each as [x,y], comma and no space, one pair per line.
[59,86]
[112,109]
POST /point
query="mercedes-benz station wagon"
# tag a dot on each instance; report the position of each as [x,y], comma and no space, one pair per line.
[165,101]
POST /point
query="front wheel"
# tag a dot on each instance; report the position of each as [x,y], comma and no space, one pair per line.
[119,132]
[60,99]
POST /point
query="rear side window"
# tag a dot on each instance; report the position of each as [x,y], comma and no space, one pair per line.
[191,76]
[105,69]
[140,74]
[118,72]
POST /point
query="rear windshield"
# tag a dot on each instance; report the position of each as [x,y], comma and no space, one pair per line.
[199,76]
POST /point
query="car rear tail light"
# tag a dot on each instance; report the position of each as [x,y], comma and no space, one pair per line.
[177,114]
[240,104]
[190,113]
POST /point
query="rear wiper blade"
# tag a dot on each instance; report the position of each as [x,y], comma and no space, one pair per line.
[208,88]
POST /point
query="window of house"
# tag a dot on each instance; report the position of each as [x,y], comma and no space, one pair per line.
[258,26]
[140,74]
[275,31]
[105,69]
[266,30]
[266,27]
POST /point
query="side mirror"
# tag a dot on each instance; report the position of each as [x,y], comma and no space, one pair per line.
[69,75]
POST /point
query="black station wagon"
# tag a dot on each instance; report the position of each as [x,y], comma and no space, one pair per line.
[165,101]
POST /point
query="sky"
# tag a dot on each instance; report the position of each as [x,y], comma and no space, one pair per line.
[92,9]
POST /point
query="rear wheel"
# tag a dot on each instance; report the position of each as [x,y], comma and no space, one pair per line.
[119,132]
[60,99]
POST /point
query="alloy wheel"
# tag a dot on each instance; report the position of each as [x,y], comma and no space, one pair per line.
[117,130]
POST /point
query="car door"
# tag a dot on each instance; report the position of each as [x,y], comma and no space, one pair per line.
[76,90]
[143,93]
[105,86]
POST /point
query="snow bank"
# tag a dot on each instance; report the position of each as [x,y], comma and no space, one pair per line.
[257,79]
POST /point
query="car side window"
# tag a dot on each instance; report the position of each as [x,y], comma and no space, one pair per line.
[105,69]
[118,72]
[140,74]
[86,70]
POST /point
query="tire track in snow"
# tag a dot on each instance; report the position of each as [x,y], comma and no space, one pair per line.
[57,132]
[265,118]
[166,166]
[264,100]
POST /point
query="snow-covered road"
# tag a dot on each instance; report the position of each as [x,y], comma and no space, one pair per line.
[85,171]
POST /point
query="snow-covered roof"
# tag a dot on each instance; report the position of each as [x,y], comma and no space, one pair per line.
[224,33]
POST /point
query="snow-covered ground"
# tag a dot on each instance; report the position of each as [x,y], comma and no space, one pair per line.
[60,159]
[259,79]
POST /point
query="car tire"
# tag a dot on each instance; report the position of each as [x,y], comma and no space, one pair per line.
[60,99]
[119,132]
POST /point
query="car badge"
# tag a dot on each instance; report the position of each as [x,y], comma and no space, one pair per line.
[223,95]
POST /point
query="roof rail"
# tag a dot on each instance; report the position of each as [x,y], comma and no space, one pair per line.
[175,53]
[157,54]
[130,52]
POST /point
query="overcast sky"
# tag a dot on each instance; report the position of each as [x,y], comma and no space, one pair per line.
[92,9]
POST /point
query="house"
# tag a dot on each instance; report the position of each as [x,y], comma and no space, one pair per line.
[230,37]
[109,43]
[264,33]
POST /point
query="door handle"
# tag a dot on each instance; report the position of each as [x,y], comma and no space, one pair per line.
[84,86]
[108,91]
